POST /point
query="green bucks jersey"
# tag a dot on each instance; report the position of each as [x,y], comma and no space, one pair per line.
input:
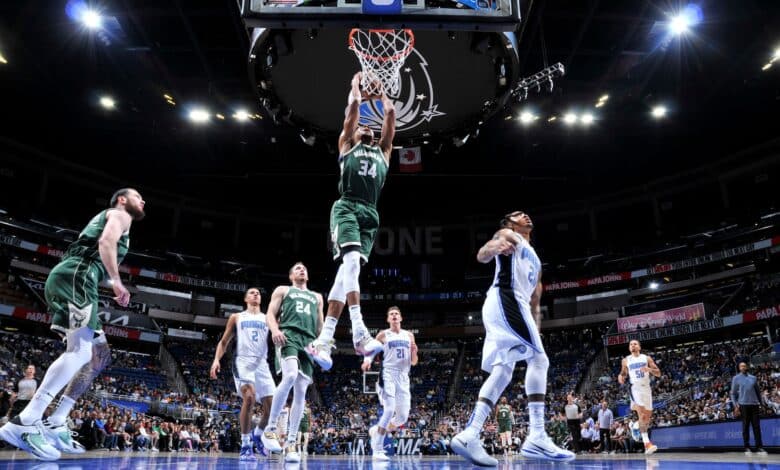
[86,246]
[363,173]
[504,413]
[299,311]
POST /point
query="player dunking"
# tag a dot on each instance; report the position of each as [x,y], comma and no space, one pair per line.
[250,365]
[294,316]
[510,314]
[505,419]
[400,353]
[72,297]
[354,219]
[638,367]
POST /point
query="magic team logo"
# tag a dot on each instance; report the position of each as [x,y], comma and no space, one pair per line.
[415,103]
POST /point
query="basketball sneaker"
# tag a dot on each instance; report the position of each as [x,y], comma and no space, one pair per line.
[542,447]
[377,444]
[62,438]
[30,438]
[257,434]
[247,454]
[319,351]
[291,454]
[470,448]
[271,441]
[650,448]
[364,343]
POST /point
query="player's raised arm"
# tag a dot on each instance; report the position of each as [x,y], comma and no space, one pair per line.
[227,336]
[352,113]
[388,127]
[535,301]
[502,242]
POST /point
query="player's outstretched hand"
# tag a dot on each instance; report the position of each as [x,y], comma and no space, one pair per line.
[365,366]
[621,379]
[122,295]
[278,338]
[214,370]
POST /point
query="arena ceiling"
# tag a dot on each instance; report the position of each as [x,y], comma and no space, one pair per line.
[710,79]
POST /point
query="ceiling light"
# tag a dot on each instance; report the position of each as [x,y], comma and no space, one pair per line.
[600,104]
[552,118]
[3,59]
[653,285]
[241,115]
[604,98]
[679,24]
[776,55]
[766,66]
[659,111]
[527,117]
[171,102]
[92,19]
[168,97]
[587,119]
[221,117]
[107,102]
[199,115]
[570,118]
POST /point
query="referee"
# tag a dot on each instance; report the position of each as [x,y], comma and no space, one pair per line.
[573,418]
[746,398]
[24,391]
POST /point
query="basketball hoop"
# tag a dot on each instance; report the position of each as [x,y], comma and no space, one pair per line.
[381,53]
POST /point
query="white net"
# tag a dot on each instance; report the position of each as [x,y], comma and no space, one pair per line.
[381,53]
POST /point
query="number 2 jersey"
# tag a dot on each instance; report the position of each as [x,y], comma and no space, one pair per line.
[363,173]
[635,374]
[251,335]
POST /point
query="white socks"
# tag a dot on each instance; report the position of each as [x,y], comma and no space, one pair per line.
[535,418]
[328,329]
[478,417]
[60,415]
[246,440]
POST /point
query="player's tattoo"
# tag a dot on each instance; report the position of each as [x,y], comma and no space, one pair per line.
[101,358]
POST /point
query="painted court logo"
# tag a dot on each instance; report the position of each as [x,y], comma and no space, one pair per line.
[415,103]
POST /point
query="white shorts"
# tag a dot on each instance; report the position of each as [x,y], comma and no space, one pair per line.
[510,330]
[253,371]
[641,396]
[395,386]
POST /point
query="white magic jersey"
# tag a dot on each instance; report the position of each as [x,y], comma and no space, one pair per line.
[397,351]
[635,375]
[519,270]
[251,335]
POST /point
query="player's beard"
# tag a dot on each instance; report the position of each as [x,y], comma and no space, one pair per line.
[136,213]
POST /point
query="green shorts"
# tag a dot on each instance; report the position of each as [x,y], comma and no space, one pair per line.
[504,426]
[296,347]
[353,225]
[72,295]
[304,427]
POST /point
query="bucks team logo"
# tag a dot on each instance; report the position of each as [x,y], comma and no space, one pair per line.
[415,102]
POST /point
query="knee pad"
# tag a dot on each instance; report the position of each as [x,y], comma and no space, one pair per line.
[351,263]
[337,292]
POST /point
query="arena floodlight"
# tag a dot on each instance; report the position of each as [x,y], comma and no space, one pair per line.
[91,19]
[527,117]
[199,115]
[653,285]
[679,24]
[766,67]
[241,115]
[776,55]
[107,102]
[587,119]
[659,111]
[603,98]
[570,118]
[3,60]
[220,116]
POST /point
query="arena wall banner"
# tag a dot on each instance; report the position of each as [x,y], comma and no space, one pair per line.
[186,334]
[148,273]
[669,331]
[111,330]
[723,434]
[761,314]
[105,301]
[667,267]
[661,318]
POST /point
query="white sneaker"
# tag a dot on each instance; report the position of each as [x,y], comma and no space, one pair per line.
[761,451]
[30,438]
[62,438]
[292,454]
[650,448]
[364,343]
[471,449]
[380,455]
[748,451]
[271,441]
[542,447]
[319,351]
[377,441]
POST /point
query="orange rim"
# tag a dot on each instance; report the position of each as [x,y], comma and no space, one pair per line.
[401,55]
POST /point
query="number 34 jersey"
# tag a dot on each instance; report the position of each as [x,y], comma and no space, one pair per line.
[299,312]
[363,173]
[397,351]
